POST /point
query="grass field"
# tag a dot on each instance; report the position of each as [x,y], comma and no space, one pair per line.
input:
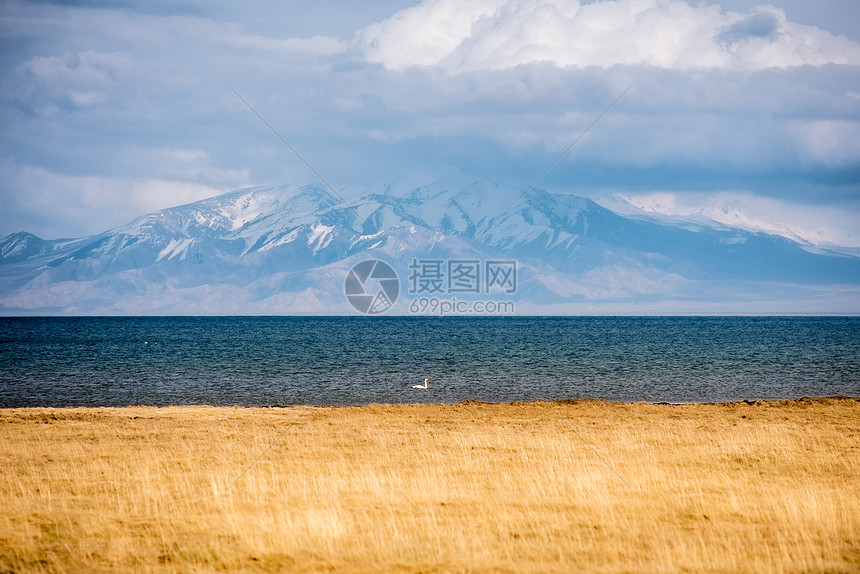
[473,487]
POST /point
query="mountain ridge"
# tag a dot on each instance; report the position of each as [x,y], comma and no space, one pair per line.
[287,249]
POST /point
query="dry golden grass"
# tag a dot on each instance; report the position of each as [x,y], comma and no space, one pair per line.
[768,487]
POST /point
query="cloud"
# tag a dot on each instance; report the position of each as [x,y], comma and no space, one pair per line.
[54,205]
[316,45]
[829,142]
[99,102]
[779,128]
[46,85]
[501,34]
[763,24]
[190,165]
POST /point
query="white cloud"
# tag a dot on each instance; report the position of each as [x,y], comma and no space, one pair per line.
[500,34]
[832,143]
[55,205]
[188,165]
[424,34]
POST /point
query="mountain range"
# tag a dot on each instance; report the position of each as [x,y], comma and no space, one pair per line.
[289,249]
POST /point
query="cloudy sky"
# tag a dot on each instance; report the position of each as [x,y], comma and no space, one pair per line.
[746,113]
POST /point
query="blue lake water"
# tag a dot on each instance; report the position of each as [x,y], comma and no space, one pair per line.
[115,361]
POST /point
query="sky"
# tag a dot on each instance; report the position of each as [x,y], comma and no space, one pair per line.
[744,112]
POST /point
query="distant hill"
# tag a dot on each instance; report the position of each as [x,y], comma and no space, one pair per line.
[286,250]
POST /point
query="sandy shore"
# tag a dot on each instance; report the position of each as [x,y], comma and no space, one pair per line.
[526,487]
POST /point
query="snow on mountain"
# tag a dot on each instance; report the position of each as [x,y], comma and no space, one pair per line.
[288,249]
[823,227]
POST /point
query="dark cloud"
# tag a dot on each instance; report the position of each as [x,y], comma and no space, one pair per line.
[836,16]
[760,25]
[155,7]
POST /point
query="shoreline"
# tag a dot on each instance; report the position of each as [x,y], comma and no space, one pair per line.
[771,402]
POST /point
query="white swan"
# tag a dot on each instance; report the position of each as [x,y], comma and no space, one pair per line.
[424,386]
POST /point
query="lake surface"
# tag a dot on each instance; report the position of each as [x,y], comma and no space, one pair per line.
[253,361]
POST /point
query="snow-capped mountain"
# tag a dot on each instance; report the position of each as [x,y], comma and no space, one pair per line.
[821,227]
[289,249]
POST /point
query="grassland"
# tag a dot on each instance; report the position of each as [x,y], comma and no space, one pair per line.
[765,487]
